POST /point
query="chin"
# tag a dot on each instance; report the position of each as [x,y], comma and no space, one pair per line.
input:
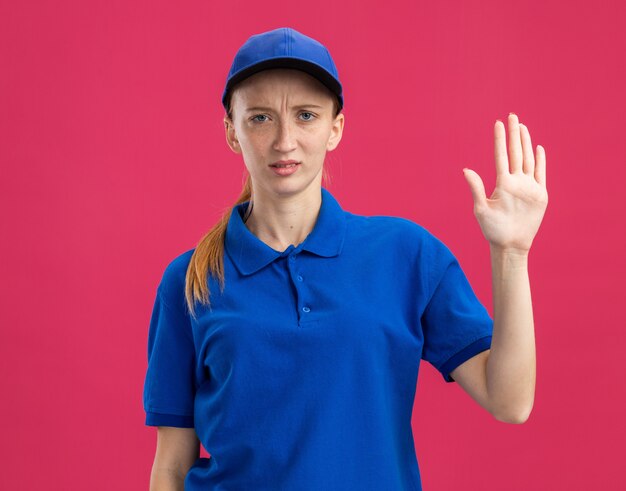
[294,186]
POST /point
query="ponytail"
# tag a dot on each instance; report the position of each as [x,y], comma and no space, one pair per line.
[208,256]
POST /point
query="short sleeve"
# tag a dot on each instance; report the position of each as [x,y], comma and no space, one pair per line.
[169,387]
[456,326]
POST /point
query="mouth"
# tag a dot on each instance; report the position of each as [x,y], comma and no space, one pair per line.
[285,168]
[284,164]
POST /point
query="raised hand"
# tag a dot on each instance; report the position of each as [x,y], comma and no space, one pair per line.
[510,218]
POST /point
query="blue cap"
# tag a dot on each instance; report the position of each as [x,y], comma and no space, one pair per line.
[284,48]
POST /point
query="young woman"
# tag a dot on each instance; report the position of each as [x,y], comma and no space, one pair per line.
[288,340]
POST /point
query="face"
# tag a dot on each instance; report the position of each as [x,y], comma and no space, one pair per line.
[283,115]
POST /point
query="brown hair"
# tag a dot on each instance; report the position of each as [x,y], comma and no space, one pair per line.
[208,256]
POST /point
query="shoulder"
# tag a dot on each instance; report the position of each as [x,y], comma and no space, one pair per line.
[172,285]
[403,242]
[383,224]
[393,230]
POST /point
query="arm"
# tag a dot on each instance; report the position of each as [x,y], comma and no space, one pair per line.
[177,449]
[502,379]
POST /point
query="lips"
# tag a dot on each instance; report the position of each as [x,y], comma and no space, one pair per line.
[284,163]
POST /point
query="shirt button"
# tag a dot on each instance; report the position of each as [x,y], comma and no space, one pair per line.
[299,278]
[292,258]
[306,309]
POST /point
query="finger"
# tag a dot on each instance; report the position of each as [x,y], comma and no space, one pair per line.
[527,150]
[499,139]
[515,144]
[476,187]
[540,166]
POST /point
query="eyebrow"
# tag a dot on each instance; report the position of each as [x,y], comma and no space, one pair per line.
[302,106]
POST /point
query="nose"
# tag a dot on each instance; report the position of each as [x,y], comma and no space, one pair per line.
[285,141]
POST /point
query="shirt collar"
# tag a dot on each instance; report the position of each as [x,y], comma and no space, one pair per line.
[250,254]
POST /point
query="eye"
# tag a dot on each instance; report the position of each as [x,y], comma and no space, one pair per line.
[311,116]
[259,116]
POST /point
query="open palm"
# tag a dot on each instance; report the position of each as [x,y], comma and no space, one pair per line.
[510,218]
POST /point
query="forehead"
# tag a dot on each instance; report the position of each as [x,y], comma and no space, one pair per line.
[278,83]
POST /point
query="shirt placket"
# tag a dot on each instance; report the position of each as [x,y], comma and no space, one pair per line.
[303,304]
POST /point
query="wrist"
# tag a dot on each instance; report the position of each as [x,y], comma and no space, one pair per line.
[508,251]
[508,257]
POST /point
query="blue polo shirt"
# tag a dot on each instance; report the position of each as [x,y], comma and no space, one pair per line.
[302,375]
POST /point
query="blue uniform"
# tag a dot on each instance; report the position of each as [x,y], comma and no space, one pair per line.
[302,375]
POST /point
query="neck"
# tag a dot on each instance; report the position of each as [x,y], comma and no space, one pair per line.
[280,221]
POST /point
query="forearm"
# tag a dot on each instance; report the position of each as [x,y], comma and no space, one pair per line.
[166,480]
[511,366]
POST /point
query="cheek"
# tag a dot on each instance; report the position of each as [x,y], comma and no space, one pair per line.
[322,141]
[252,144]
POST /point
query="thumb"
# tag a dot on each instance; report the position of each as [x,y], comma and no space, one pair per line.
[476,186]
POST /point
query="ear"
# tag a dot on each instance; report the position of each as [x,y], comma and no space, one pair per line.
[335,132]
[231,135]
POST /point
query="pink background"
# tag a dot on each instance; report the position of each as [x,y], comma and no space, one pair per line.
[113,161]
